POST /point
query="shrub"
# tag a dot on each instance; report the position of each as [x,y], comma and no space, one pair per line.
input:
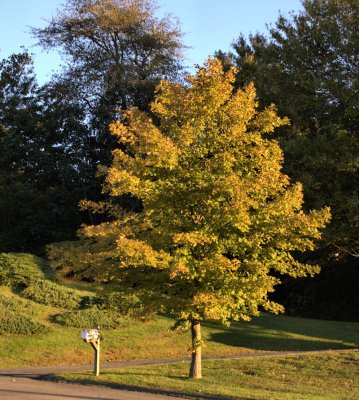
[90,302]
[19,269]
[91,318]
[51,293]
[124,303]
[15,323]
[19,305]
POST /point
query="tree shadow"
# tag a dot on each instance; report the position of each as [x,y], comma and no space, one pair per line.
[281,333]
[133,388]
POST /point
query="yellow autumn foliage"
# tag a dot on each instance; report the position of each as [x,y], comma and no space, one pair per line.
[216,216]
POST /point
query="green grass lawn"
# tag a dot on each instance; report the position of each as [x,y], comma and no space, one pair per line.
[332,375]
[134,339]
[154,339]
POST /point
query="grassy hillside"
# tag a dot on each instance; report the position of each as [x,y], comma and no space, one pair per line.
[46,315]
[153,339]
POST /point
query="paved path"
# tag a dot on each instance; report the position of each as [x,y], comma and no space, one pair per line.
[31,389]
[29,383]
[43,372]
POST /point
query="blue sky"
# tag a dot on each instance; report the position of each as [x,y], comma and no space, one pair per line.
[208,25]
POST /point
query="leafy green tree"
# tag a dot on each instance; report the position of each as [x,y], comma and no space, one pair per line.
[217,214]
[116,51]
[53,138]
[44,169]
[309,68]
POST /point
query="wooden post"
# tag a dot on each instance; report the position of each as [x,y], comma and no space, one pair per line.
[96,346]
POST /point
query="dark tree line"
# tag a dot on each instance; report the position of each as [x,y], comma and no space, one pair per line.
[54,137]
[309,67]
[43,170]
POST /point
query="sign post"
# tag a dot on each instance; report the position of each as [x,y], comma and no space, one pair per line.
[93,336]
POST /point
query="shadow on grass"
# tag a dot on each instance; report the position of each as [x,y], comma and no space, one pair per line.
[140,389]
[141,374]
[288,333]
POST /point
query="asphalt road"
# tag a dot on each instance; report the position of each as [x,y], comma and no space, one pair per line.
[33,389]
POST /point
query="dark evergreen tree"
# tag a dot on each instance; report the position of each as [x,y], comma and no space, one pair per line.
[309,67]
[44,169]
[53,138]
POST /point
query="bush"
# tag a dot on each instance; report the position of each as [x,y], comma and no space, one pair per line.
[17,323]
[126,304]
[51,293]
[19,305]
[91,318]
[19,269]
[15,317]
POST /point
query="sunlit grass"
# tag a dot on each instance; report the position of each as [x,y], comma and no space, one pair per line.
[332,375]
[154,339]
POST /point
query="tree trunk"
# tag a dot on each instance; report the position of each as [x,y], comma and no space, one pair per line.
[195,371]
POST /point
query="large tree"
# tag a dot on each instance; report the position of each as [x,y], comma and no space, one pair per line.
[43,165]
[309,67]
[115,53]
[115,49]
[54,137]
[216,217]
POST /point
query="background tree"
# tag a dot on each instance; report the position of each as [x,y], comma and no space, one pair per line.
[53,138]
[116,51]
[43,166]
[309,68]
[217,214]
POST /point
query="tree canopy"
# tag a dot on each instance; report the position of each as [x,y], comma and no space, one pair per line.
[43,164]
[308,66]
[116,50]
[54,137]
[217,215]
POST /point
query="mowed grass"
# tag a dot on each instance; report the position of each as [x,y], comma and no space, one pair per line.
[136,340]
[154,339]
[329,375]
